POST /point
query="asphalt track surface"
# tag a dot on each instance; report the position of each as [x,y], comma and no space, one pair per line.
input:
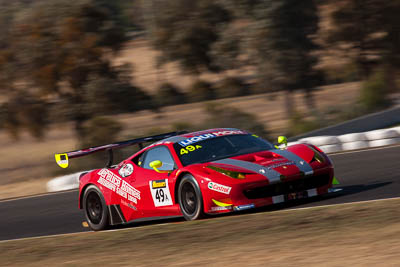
[364,175]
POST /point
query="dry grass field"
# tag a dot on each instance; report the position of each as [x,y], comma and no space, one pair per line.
[361,234]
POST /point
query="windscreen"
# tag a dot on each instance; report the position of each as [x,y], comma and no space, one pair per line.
[220,147]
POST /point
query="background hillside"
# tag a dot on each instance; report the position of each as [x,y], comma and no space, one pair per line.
[88,72]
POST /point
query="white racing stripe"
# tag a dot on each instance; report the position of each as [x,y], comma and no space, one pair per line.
[300,163]
[272,175]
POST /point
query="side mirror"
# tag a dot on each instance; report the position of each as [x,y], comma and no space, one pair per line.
[156,164]
[282,140]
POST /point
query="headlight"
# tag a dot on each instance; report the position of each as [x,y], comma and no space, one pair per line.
[232,174]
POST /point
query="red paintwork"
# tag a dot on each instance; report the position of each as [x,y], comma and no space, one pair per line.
[140,178]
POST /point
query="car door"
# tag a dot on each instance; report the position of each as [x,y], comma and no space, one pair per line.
[156,198]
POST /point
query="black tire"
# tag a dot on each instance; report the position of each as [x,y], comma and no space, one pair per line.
[190,198]
[95,208]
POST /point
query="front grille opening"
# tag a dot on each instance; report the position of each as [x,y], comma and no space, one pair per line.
[287,187]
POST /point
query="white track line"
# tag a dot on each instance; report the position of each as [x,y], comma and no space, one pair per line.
[162,224]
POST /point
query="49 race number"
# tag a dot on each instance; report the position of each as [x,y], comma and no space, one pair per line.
[188,149]
[160,193]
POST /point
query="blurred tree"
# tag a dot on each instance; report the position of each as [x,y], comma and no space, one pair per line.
[242,8]
[61,51]
[226,50]
[282,42]
[184,31]
[201,91]
[105,96]
[100,130]
[123,12]
[374,92]
[225,116]
[356,21]
[231,87]
[369,29]
[391,57]
[168,94]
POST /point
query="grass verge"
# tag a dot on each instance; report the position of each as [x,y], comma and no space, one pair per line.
[361,234]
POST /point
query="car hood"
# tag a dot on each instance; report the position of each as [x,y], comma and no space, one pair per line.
[273,164]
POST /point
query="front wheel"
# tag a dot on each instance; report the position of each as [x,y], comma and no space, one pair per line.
[190,198]
[95,208]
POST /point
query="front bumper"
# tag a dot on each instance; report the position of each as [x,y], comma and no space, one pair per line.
[246,196]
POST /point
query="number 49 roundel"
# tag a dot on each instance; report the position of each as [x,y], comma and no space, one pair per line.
[160,192]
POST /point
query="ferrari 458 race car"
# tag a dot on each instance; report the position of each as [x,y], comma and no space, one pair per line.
[195,174]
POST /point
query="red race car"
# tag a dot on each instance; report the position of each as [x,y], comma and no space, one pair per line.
[194,174]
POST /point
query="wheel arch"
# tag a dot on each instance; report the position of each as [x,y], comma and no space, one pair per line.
[198,181]
[82,192]
[177,182]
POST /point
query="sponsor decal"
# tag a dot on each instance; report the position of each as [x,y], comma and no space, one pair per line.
[206,136]
[244,207]
[221,208]
[128,205]
[111,181]
[160,193]
[280,165]
[126,170]
[219,188]
[188,149]
[62,160]
[158,184]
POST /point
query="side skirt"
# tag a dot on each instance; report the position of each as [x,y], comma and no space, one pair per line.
[116,216]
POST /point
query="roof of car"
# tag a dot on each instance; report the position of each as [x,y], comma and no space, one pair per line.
[215,131]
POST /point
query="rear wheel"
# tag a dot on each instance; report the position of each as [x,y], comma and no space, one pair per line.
[190,198]
[95,208]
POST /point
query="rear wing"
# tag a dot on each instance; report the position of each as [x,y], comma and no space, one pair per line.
[62,159]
